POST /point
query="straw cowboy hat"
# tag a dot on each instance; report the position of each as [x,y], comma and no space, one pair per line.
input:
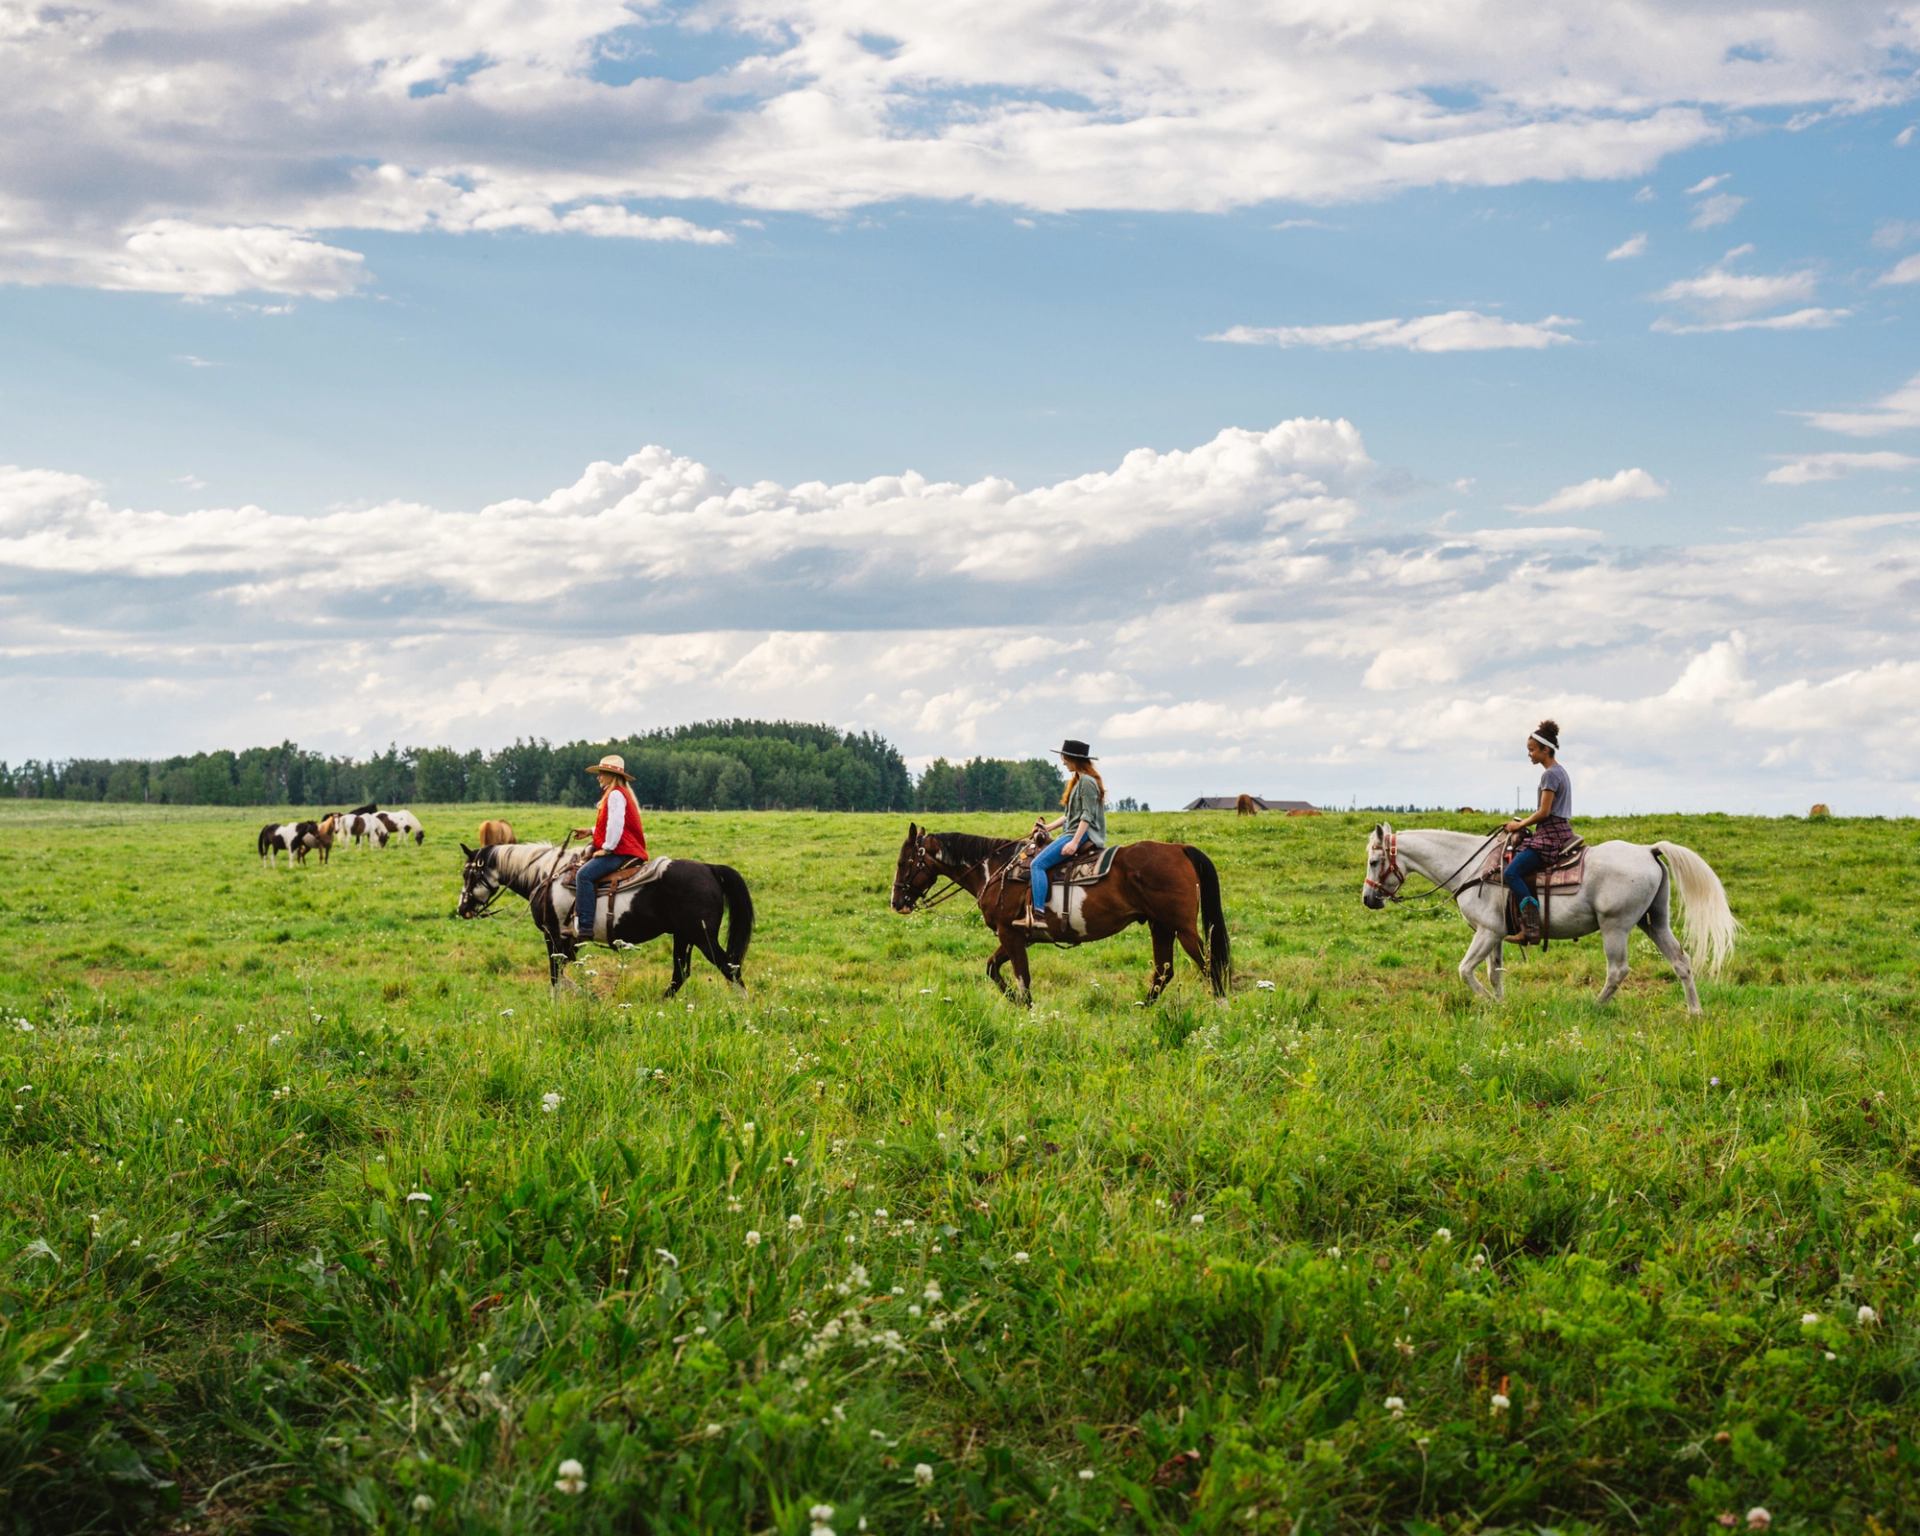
[614,764]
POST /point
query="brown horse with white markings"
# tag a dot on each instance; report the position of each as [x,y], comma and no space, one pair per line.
[1171,887]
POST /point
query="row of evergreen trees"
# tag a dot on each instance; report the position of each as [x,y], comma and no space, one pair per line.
[716,765]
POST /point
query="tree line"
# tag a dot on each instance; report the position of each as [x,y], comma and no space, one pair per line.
[714,765]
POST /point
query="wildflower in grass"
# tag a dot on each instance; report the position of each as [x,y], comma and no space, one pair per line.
[753,1239]
[1866,1316]
[715,1431]
[880,1213]
[1443,1234]
[1758,1519]
[1198,1218]
[419,1197]
[1086,1474]
[484,1380]
[1479,1261]
[1334,1251]
[922,1474]
[1021,1257]
[747,1128]
[1808,1319]
[422,1503]
[666,1258]
[1713,1082]
[1728,1518]
[933,1291]
[791,1161]
[1397,1406]
[550,1101]
[820,1514]
[1499,1403]
[796,1222]
[572,1478]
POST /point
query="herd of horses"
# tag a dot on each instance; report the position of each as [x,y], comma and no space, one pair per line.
[366,825]
[1172,888]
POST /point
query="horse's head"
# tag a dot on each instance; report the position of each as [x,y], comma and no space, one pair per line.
[480,884]
[916,872]
[1384,874]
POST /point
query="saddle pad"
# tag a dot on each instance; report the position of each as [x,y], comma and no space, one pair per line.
[1563,876]
[634,875]
[1084,870]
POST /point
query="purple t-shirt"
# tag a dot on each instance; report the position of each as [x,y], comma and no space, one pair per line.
[1555,778]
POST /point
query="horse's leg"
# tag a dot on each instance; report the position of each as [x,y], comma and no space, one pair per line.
[1190,942]
[1661,932]
[1497,968]
[994,961]
[1017,952]
[1485,942]
[682,964]
[1162,957]
[1614,941]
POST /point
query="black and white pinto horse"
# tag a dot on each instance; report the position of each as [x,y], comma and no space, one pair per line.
[687,900]
[1627,885]
[296,839]
[370,825]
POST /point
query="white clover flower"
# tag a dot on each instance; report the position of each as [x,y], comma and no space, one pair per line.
[550,1101]
[1397,1406]
[1022,1257]
[753,1239]
[796,1222]
[735,1206]
[1758,1519]
[1808,1319]
[922,1474]
[1086,1474]
[422,1503]
[572,1478]
[1198,1218]
[1479,1261]
[715,1431]
[820,1514]
[1443,1234]
[666,1257]
[419,1197]
[880,1213]
[1334,1251]
[484,1379]
[1866,1316]
[791,1161]
[820,1530]
[1499,1403]
[748,1127]
[933,1291]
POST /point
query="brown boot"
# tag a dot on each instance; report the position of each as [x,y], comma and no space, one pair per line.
[1529,924]
[1029,919]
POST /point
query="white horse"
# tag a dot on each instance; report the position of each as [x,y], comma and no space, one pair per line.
[1627,885]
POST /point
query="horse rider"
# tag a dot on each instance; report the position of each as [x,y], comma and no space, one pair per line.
[1548,829]
[617,838]
[1083,824]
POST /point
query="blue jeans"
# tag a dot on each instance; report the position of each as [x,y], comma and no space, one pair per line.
[1525,862]
[586,888]
[1043,861]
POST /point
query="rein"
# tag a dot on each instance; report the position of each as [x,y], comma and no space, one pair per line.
[1392,851]
[927,901]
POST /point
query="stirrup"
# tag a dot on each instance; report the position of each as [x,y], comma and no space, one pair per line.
[1032,920]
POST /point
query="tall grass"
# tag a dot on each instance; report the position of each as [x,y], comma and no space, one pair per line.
[319,1213]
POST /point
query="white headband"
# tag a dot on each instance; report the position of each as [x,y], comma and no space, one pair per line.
[1551,746]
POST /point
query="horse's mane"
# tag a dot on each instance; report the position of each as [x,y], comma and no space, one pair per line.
[970,848]
[514,860]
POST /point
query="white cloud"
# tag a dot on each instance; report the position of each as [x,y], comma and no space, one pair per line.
[1813,467]
[1601,491]
[262,125]
[1904,271]
[1904,137]
[1896,411]
[1812,318]
[1633,245]
[1645,195]
[1707,183]
[1714,211]
[1457,330]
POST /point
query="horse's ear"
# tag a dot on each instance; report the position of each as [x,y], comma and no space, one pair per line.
[466,850]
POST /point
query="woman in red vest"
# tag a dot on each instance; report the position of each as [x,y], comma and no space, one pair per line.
[617,837]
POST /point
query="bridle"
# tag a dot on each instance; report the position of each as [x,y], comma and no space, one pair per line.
[928,857]
[1391,847]
[485,909]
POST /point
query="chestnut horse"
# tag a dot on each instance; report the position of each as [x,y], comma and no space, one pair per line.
[492,832]
[1171,887]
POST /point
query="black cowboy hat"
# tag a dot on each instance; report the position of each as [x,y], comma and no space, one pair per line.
[1072,748]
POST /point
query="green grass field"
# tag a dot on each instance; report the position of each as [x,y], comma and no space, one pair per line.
[318,1213]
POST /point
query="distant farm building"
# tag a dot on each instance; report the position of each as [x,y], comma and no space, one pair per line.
[1232,802]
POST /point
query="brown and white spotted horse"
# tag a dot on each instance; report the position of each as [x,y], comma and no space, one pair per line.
[1171,887]
[296,839]
[687,900]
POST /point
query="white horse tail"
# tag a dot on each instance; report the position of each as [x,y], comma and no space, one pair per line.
[1710,921]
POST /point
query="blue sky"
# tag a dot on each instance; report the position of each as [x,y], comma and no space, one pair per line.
[356,310]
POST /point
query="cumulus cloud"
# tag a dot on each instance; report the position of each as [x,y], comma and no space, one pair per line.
[1712,212]
[1601,491]
[1904,271]
[225,135]
[1457,330]
[1723,299]
[1241,602]
[1811,468]
[1627,249]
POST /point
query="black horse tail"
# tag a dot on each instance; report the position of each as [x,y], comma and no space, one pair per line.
[260,842]
[1213,922]
[739,915]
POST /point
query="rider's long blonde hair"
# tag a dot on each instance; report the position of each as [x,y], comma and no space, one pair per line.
[1084,765]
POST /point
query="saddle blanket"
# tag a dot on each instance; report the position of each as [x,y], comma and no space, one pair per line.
[1566,874]
[1084,869]
[614,896]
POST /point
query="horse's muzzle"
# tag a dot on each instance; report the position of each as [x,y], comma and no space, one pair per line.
[1373,901]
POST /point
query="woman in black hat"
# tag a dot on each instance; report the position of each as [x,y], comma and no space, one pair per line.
[1083,825]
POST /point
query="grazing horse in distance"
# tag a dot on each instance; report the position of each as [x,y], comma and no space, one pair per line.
[1626,886]
[1246,805]
[401,824]
[1171,887]
[494,833]
[688,899]
[295,839]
